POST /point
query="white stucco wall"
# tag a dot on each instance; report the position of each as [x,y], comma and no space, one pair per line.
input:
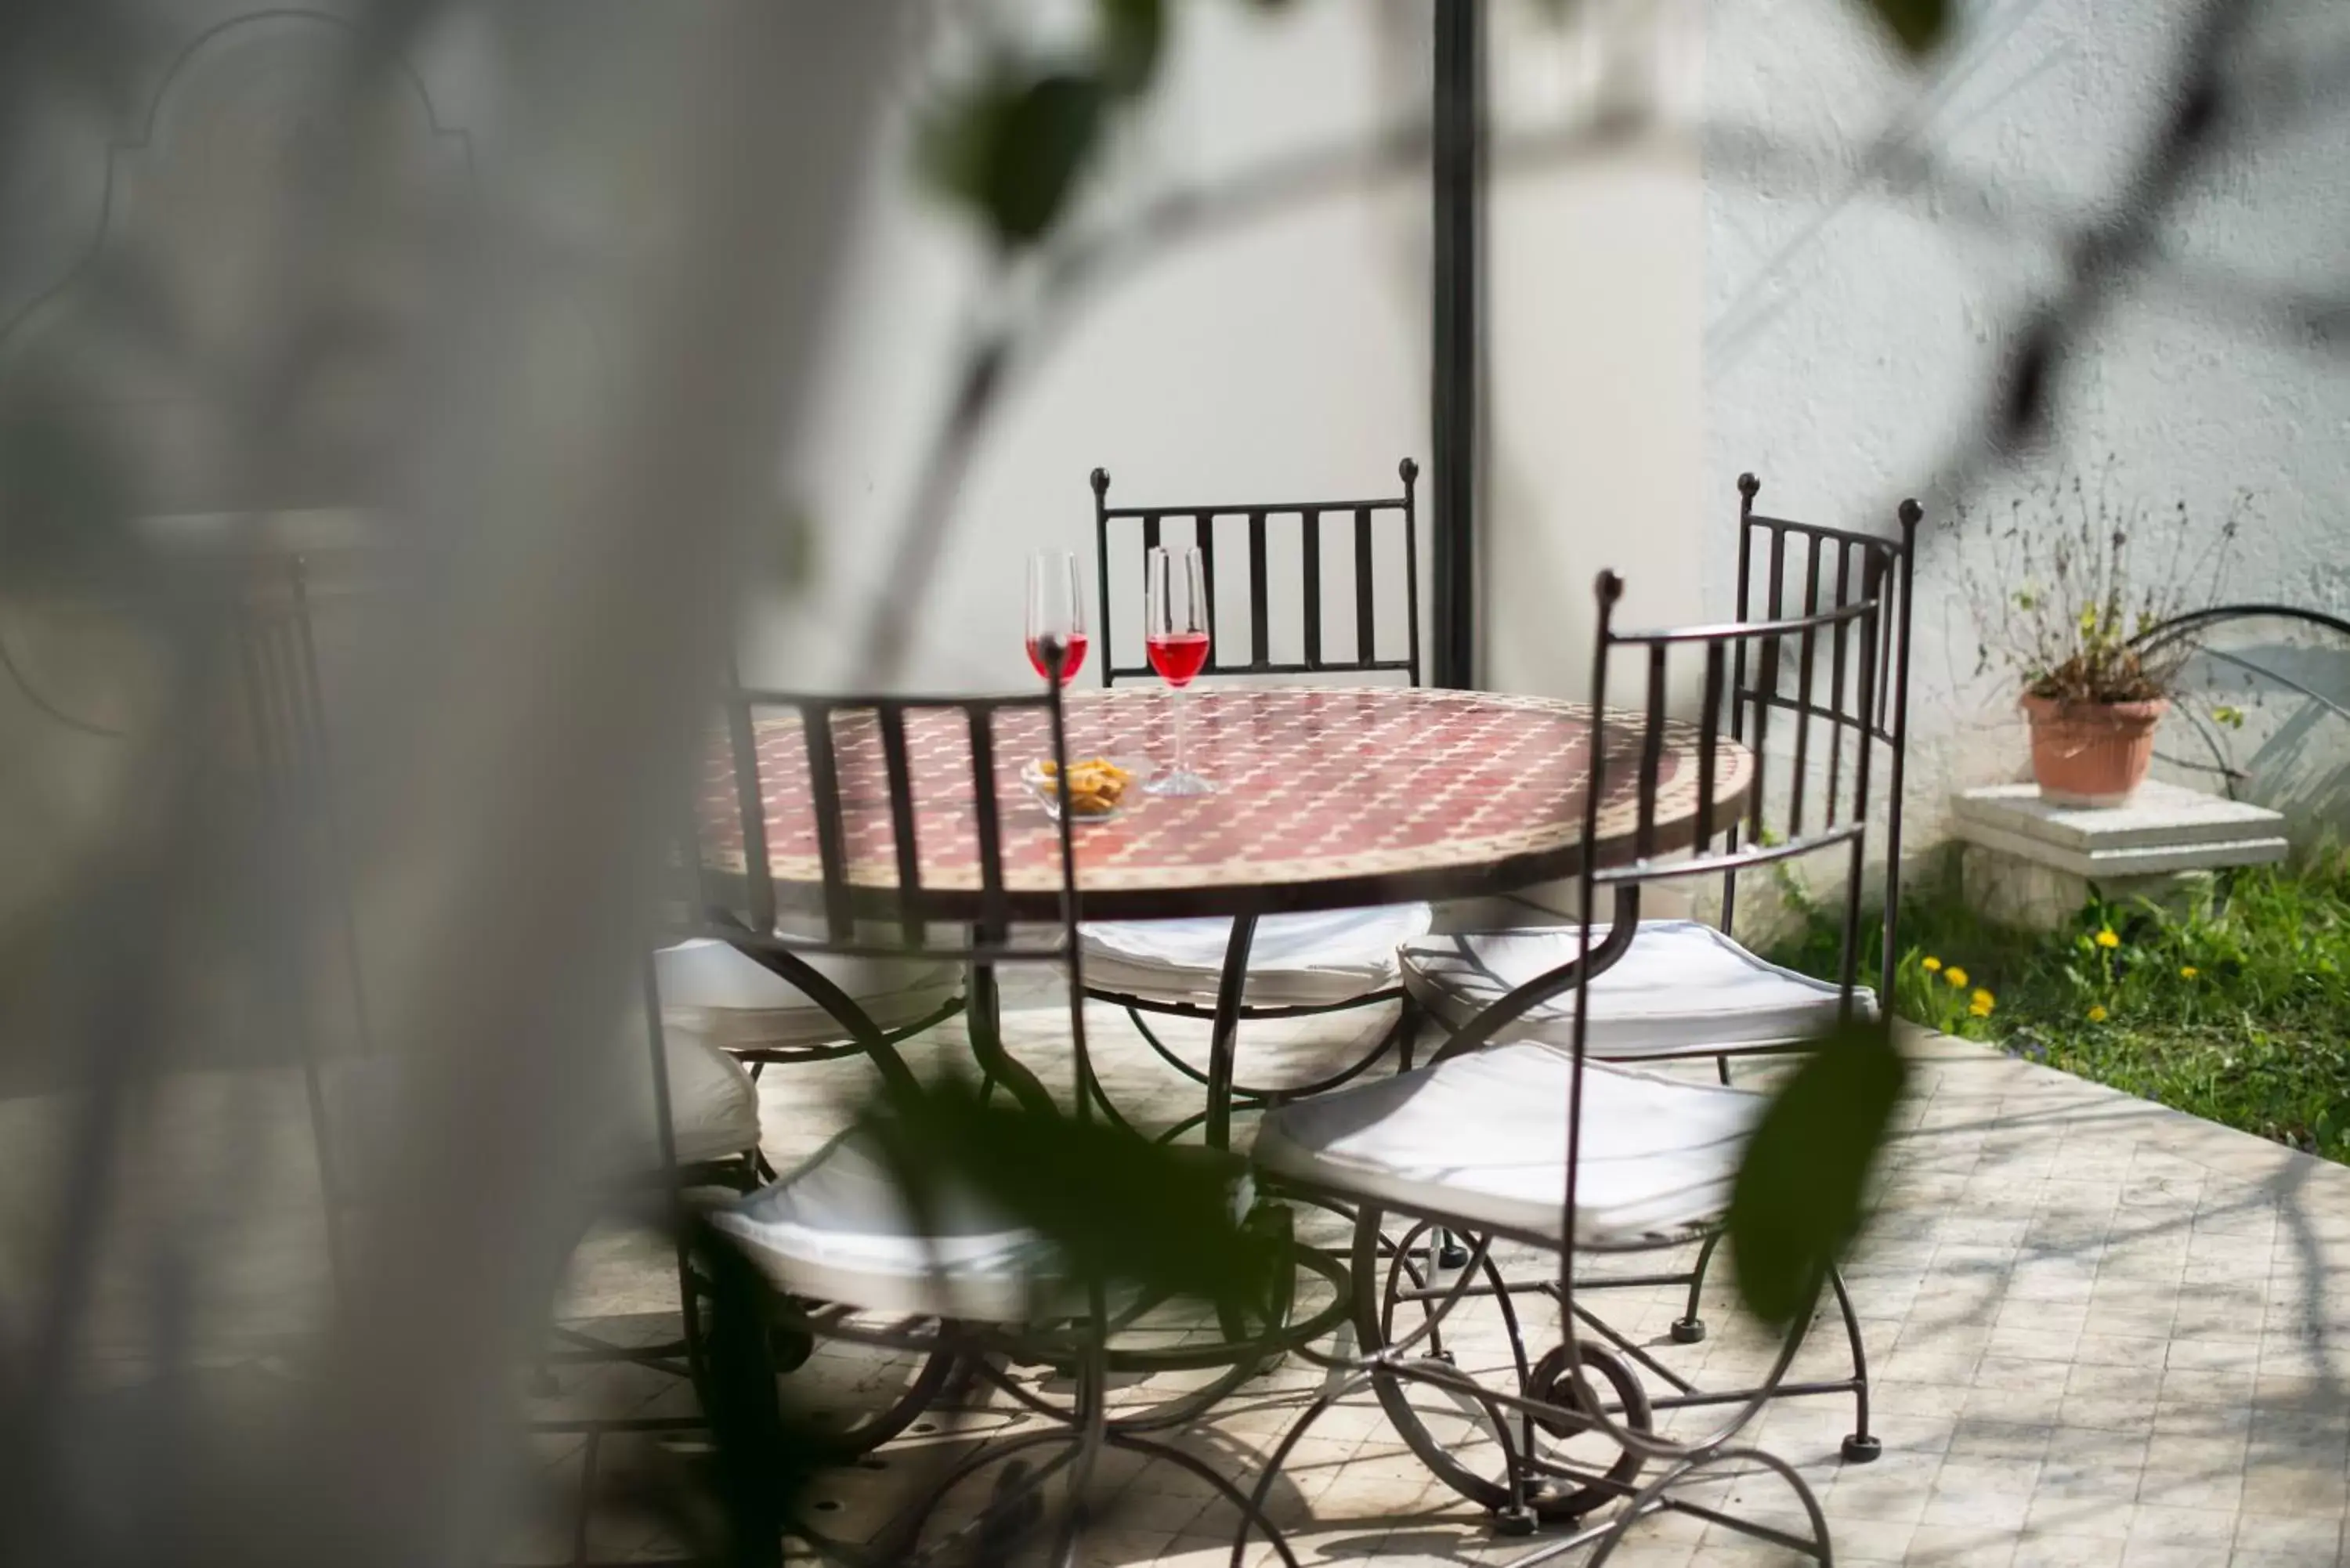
[1283,358]
[1593,436]
[1287,356]
[1853,313]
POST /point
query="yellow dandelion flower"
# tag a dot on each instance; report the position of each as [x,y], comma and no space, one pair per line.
[2188,972]
[1979,1011]
[1930,965]
[2106,939]
[1983,1001]
[1955,975]
[2096,1014]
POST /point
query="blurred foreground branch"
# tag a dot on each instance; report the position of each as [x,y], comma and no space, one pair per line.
[562,545]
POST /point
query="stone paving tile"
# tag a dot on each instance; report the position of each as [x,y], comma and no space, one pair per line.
[2102,1334]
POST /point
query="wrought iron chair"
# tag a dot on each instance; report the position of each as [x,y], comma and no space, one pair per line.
[863,1250]
[1295,965]
[1533,1148]
[710,987]
[2268,695]
[692,1120]
[1685,988]
[706,1110]
[761,1019]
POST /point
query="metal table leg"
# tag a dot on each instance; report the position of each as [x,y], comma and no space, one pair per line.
[1224,1043]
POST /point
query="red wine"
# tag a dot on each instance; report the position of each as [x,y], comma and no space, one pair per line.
[1073,656]
[1177,655]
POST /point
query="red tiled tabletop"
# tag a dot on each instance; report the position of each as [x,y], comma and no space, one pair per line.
[1328,798]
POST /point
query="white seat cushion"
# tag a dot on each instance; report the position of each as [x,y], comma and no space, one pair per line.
[1294,961]
[714,1105]
[1483,1138]
[837,1229]
[1682,988]
[740,1004]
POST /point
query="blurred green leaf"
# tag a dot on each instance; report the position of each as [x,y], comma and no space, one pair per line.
[1919,24]
[1132,34]
[958,144]
[1119,1207]
[1798,1199]
[1013,147]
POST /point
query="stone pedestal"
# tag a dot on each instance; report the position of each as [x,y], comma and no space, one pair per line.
[2026,862]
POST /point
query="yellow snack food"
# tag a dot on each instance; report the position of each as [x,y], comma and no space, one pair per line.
[1096,785]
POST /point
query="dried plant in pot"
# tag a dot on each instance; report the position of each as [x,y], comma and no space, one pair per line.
[2091,751]
[2062,587]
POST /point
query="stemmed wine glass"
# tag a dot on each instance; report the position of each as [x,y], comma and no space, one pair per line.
[1057,611]
[1175,635]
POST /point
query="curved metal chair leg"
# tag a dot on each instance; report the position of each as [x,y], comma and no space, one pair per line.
[944,1370]
[1689,1328]
[919,1396]
[1526,1491]
[1196,1120]
[1861,1445]
[1015,1509]
[1652,1497]
[1260,1096]
[1092,1091]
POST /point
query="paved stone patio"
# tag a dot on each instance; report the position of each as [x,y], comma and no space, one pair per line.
[2103,1333]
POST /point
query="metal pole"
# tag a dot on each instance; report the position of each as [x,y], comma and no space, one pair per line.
[1458,117]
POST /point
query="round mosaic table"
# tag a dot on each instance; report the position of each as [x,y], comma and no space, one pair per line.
[1328,798]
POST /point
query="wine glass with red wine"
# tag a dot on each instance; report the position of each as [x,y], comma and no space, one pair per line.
[1056,612]
[1175,635]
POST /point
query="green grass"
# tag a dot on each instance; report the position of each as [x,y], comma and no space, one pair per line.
[2234,1007]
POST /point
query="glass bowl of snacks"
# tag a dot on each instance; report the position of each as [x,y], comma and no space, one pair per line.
[1099,787]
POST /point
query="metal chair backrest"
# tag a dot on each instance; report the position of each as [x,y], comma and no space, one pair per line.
[281,767]
[2273,677]
[847,767]
[276,648]
[1848,637]
[1360,524]
[1773,825]
[284,755]
[1830,568]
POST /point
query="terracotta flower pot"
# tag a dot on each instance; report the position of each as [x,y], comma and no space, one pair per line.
[2091,754]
